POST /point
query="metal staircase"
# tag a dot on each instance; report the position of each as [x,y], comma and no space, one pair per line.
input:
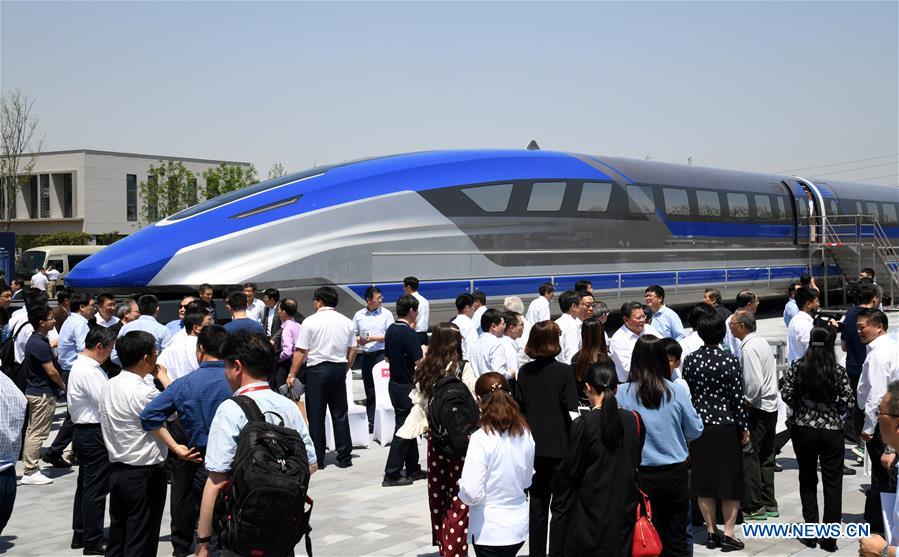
[854,242]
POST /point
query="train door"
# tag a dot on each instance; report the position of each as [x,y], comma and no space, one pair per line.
[808,211]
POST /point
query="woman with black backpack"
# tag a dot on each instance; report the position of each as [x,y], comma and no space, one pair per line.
[440,389]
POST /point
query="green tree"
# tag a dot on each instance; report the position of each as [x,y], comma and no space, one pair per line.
[170,187]
[17,148]
[226,178]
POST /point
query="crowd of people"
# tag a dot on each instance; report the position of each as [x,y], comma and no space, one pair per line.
[546,431]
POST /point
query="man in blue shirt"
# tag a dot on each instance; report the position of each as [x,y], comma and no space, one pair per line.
[74,330]
[148,307]
[195,397]
[664,320]
[236,303]
[791,309]
[249,360]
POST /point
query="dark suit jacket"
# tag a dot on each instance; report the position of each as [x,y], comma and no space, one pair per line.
[275,333]
[60,314]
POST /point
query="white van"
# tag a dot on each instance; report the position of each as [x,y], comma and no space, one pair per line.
[62,258]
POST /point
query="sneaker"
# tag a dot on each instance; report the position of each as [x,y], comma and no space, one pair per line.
[36,479]
[397,481]
[755,515]
[858,451]
[848,471]
[772,512]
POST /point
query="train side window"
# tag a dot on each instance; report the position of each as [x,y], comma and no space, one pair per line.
[738,205]
[595,197]
[708,203]
[493,199]
[802,207]
[833,207]
[763,207]
[858,208]
[546,196]
[781,208]
[873,209]
[889,213]
[676,201]
[640,200]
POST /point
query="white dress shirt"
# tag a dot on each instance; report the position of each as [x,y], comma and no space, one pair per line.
[85,390]
[538,310]
[497,470]
[510,349]
[476,318]
[424,310]
[104,323]
[730,340]
[25,334]
[326,335]
[621,348]
[689,344]
[255,310]
[469,337]
[180,358]
[570,337]
[39,281]
[124,397]
[798,334]
[759,373]
[375,323]
[881,367]
[491,356]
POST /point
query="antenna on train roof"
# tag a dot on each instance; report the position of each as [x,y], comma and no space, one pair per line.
[532,146]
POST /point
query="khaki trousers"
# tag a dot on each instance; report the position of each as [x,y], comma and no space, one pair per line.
[40,411]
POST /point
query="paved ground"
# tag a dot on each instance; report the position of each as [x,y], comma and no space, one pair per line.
[355,516]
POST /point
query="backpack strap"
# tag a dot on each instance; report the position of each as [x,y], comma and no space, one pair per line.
[19,330]
[249,407]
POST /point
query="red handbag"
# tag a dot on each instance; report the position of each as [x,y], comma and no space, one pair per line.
[647,542]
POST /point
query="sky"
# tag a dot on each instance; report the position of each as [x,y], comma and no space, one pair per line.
[791,87]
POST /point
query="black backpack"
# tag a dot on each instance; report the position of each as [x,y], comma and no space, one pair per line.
[262,510]
[452,416]
[8,363]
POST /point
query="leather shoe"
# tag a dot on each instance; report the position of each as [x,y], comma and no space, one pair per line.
[417,475]
[731,544]
[397,481]
[77,542]
[847,471]
[101,550]
[56,460]
[344,463]
[713,541]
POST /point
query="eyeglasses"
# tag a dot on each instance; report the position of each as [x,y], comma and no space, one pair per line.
[878,413]
[585,304]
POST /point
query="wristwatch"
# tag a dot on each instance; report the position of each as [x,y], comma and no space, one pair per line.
[889,450]
[885,552]
[198,539]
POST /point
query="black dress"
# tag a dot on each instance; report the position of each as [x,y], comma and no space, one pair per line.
[715,379]
[595,490]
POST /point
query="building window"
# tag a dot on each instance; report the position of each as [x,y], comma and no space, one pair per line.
[676,201]
[738,205]
[708,204]
[640,200]
[763,207]
[493,199]
[45,196]
[595,197]
[32,197]
[192,191]
[68,196]
[131,197]
[546,196]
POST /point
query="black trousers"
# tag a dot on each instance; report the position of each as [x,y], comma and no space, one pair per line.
[854,420]
[758,461]
[92,486]
[403,452]
[540,495]
[7,495]
[497,550]
[136,504]
[368,360]
[668,491]
[882,481]
[812,444]
[326,390]
[183,506]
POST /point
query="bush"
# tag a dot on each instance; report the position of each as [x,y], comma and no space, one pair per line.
[109,238]
[59,239]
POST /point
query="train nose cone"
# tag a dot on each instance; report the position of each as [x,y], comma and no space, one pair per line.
[130,262]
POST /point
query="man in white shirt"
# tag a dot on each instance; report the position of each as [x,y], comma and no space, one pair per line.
[761,392]
[478,309]
[327,345]
[52,276]
[106,307]
[888,426]
[370,324]
[747,301]
[137,483]
[802,323]
[39,280]
[410,288]
[85,390]
[255,307]
[514,328]
[491,354]
[573,304]
[621,347]
[538,310]
[248,361]
[881,367]
[180,358]
[465,308]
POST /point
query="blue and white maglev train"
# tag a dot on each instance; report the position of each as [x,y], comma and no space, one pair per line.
[502,221]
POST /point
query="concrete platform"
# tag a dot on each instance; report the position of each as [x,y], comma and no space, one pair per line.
[355,516]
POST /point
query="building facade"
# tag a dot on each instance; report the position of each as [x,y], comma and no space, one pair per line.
[90,191]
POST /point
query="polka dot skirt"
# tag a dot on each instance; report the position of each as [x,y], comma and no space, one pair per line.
[449,516]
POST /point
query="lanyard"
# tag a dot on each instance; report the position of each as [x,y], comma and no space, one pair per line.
[250,388]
